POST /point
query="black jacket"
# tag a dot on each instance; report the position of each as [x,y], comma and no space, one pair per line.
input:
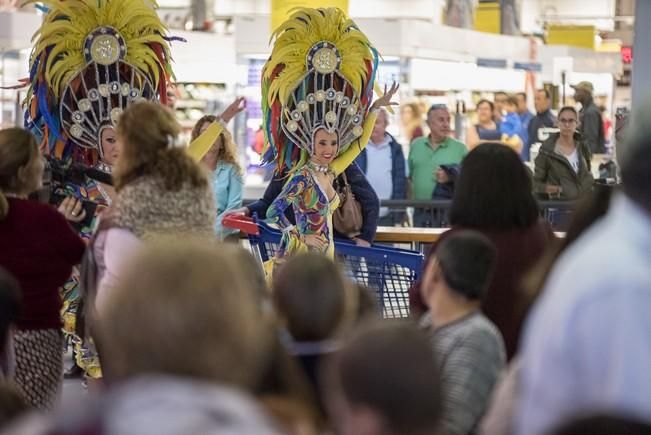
[552,168]
[360,186]
[592,128]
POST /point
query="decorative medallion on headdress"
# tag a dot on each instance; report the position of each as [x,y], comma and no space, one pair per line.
[91,59]
[320,75]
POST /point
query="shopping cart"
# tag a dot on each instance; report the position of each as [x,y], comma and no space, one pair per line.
[388,272]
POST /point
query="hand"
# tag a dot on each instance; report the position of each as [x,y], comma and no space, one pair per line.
[441,176]
[72,209]
[233,109]
[551,189]
[362,243]
[244,211]
[385,100]
[315,241]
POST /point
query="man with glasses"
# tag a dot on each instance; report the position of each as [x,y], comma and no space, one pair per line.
[426,156]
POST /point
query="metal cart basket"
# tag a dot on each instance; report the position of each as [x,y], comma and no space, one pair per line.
[388,272]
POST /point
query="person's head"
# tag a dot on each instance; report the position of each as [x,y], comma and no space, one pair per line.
[500,100]
[170,93]
[148,148]
[460,269]
[635,157]
[380,127]
[583,92]
[410,113]
[108,141]
[438,121]
[385,382]
[187,310]
[521,98]
[493,190]
[311,297]
[542,100]
[326,146]
[568,121]
[21,165]
[10,299]
[485,111]
[603,425]
[224,148]
[511,104]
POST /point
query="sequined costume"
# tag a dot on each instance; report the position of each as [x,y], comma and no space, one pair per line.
[320,76]
[91,59]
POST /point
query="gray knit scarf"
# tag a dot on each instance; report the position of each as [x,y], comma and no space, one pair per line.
[148,210]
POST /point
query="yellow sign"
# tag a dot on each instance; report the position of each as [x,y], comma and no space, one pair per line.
[281,9]
[487,17]
[577,36]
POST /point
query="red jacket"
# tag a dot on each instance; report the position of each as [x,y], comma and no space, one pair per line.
[39,248]
[517,251]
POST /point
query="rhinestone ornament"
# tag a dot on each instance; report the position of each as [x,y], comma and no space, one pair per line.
[76,130]
[302,106]
[85,104]
[331,117]
[292,126]
[115,115]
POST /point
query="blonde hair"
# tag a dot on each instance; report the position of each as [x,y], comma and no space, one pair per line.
[416,121]
[228,150]
[188,310]
[148,131]
[18,149]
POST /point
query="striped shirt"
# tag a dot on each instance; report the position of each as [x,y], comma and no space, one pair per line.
[471,356]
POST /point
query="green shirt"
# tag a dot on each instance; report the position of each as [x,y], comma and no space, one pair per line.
[424,161]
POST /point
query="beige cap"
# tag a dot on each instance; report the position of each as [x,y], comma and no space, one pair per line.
[586,86]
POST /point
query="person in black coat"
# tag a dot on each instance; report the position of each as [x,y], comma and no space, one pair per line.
[360,187]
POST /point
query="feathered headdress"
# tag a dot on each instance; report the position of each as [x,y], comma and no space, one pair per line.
[92,58]
[320,75]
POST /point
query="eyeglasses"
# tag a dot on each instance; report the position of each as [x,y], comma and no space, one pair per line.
[566,121]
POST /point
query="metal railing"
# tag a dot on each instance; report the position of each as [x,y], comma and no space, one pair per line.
[556,212]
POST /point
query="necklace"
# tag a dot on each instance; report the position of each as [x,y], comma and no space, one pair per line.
[324,169]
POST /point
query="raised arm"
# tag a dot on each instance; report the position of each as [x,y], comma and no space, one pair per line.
[200,146]
[340,164]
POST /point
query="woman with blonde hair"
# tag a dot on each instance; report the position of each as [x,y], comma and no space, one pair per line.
[40,249]
[411,121]
[222,161]
[161,192]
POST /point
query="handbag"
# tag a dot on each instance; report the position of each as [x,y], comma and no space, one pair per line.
[347,218]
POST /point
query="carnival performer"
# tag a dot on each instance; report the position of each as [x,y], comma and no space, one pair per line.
[316,95]
[91,60]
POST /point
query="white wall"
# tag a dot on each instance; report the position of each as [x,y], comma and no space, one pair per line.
[425,9]
[206,57]
[532,10]
[459,76]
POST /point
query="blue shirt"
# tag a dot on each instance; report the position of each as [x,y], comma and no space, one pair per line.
[587,344]
[227,186]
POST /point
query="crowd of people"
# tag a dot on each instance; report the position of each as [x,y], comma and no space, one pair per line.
[180,330]
[562,164]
